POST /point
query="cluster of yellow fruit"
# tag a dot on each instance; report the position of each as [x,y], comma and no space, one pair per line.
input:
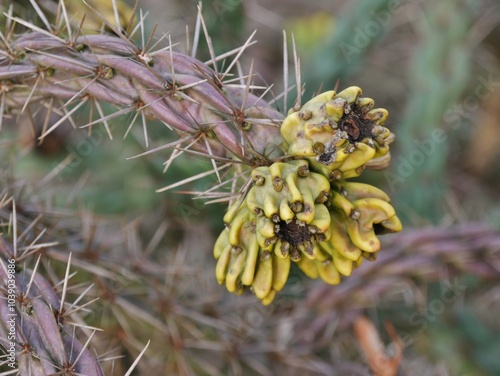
[303,210]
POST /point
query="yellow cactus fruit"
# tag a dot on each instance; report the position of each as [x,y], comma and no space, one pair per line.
[242,263]
[366,212]
[338,133]
[359,213]
[237,251]
[292,214]
[353,191]
[370,218]
[289,202]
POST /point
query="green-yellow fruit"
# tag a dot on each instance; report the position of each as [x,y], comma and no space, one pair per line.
[269,297]
[328,272]
[221,267]
[308,267]
[294,217]
[221,243]
[342,264]
[291,214]
[339,240]
[237,249]
[370,217]
[235,268]
[251,262]
[341,203]
[337,132]
[281,268]
[353,191]
[263,281]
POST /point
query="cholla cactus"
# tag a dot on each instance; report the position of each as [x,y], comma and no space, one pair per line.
[281,212]
[35,324]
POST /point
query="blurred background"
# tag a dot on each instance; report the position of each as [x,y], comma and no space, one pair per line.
[434,65]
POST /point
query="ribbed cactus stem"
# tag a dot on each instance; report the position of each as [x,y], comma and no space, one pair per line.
[177,89]
[33,323]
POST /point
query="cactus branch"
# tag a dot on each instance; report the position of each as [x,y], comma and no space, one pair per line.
[187,95]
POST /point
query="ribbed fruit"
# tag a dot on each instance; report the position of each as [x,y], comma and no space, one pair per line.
[242,263]
[289,202]
[338,133]
[292,214]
